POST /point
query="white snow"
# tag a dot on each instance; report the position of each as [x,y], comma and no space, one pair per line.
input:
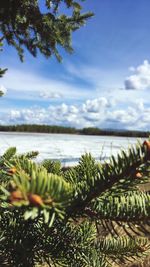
[65,147]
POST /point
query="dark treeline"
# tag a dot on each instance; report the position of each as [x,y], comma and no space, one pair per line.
[34,128]
[127,133]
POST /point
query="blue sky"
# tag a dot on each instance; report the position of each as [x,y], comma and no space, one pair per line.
[105,83]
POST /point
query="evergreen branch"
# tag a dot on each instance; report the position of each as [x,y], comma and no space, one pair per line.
[123,249]
[38,192]
[10,152]
[52,166]
[29,155]
[43,31]
[102,178]
[133,206]
[36,208]
[61,245]
[137,181]
[2,72]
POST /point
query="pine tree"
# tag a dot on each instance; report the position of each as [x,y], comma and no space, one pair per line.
[91,215]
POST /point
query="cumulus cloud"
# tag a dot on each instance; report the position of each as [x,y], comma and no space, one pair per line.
[140,79]
[126,117]
[93,113]
[96,105]
[83,115]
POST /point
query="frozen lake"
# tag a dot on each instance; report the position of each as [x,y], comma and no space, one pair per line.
[64,147]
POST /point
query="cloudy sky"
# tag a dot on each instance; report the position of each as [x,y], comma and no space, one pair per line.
[105,83]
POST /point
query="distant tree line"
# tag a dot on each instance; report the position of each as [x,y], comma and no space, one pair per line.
[35,128]
[113,132]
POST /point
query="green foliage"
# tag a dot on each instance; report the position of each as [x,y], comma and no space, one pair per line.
[2,71]
[126,207]
[30,155]
[121,250]
[10,152]
[91,215]
[24,25]
[52,166]
[97,179]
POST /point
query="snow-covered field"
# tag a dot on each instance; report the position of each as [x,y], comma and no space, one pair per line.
[64,147]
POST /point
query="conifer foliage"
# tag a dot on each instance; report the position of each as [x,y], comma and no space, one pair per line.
[91,215]
[40,26]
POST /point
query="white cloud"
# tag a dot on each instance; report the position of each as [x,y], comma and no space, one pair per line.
[139,105]
[106,110]
[30,84]
[88,114]
[96,105]
[140,79]
[50,95]
[124,117]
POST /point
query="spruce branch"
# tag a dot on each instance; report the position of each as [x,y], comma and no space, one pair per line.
[37,207]
[103,177]
[131,207]
[24,25]
[123,249]
[38,192]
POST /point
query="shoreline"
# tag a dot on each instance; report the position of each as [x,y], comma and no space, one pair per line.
[114,134]
[55,129]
